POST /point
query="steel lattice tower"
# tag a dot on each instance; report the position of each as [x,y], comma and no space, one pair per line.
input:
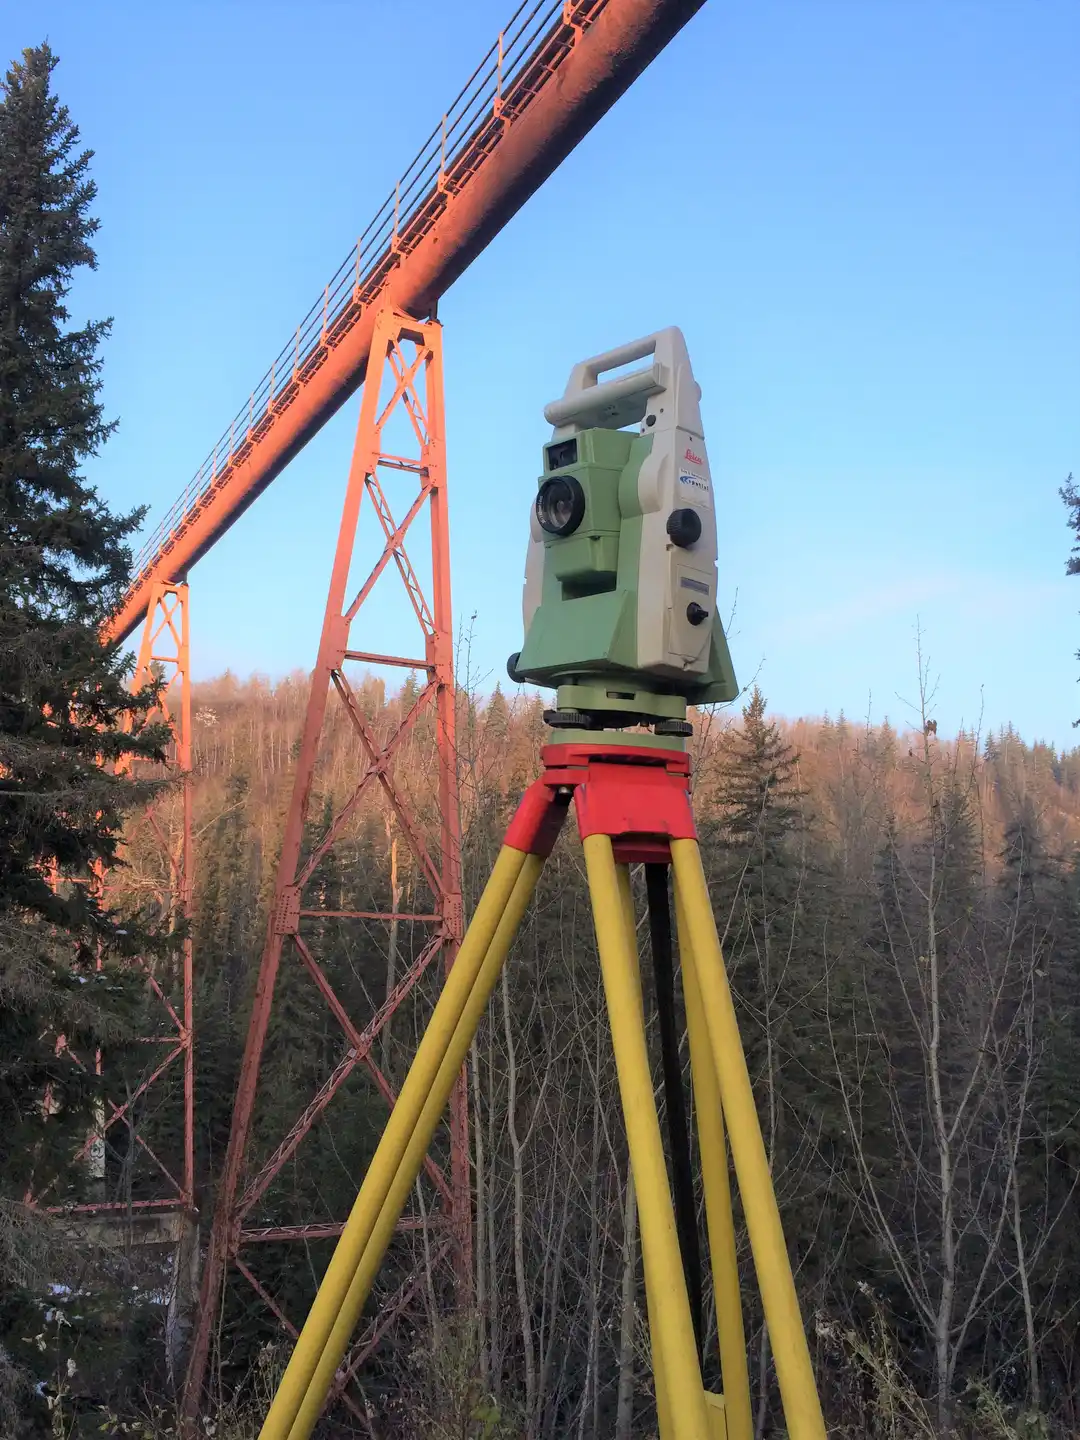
[404,377]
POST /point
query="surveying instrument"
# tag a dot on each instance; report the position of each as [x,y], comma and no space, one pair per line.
[620,619]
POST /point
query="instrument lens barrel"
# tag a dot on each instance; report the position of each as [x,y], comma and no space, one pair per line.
[560,505]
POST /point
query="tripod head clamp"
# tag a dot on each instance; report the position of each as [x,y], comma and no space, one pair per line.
[620,576]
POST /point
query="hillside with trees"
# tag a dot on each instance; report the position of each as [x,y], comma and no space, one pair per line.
[899,914]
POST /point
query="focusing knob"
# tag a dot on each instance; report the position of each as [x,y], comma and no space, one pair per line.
[684,527]
[568,719]
[696,613]
[673,727]
[512,670]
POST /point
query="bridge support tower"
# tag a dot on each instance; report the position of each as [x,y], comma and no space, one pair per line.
[403,391]
[142,1191]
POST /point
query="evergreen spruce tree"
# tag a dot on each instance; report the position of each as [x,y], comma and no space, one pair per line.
[767,894]
[1027,882]
[761,816]
[64,563]
[408,693]
[1071,496]
[497,718]
[1038,923]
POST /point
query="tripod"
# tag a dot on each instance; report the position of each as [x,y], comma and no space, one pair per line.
[632,803]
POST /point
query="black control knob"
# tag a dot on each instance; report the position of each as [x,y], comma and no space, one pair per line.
[696,613]
[684,527]
[512,670]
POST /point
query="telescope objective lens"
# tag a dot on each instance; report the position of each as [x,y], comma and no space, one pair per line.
[560,505]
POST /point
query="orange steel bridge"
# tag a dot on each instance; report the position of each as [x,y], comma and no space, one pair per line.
[555,69]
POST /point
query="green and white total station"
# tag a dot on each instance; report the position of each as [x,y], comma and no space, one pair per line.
[620,578]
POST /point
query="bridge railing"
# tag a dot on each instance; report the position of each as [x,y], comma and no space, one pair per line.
[501,82]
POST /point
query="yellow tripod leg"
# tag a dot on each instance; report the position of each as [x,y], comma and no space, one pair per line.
[794,1373]
[663,1406]
[665,1285]
[721,1222]
[349,1314]
[388,1156]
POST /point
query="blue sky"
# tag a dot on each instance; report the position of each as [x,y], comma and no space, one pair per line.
[864,216]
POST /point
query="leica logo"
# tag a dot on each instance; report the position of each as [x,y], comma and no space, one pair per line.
[694,459]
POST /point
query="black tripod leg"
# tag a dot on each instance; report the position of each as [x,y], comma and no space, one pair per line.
[678,1116]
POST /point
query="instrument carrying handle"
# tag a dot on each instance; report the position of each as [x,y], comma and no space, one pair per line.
[613,359]
[586,395]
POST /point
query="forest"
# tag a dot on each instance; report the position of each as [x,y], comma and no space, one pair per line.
[899,915]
